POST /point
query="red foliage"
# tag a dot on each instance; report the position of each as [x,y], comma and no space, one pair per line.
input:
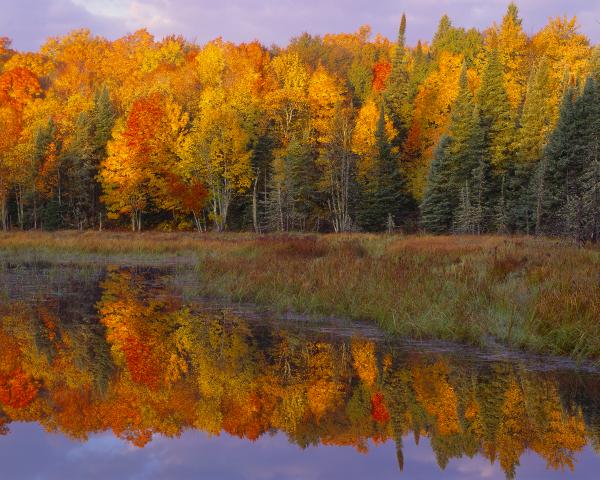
[18,86]
[379,412]
[17,389]
[414,141]
[191,196]
[381,72]
[143,123]
[143,364]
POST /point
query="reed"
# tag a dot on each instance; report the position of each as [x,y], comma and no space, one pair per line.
[542,295]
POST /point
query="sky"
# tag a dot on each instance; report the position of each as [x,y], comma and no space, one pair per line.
[29,22]
[194,455]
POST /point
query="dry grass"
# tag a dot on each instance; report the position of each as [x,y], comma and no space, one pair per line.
[538,294]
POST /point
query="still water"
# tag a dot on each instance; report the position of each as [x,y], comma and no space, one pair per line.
[109,372]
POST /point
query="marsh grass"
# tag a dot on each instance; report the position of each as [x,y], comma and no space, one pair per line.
[541,295]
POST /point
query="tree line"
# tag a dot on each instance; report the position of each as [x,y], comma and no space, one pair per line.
[475,132]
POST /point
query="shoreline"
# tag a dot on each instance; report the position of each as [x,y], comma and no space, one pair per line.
[535,295]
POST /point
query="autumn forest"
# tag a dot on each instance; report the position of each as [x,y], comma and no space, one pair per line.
[492,131]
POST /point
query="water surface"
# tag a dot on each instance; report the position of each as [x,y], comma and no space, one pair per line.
[109,372]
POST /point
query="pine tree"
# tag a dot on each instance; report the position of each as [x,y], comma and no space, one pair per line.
[570,152]
[467,137]
[385,194]
[419,71]
[481,197]
[549,185]
[293,192]
[591,196]
[467,178]
[502,214]
[443,35]
[438,201]
[496,119]
[590,179]
[397,92]
[536,119]
[463,220]
[534,129]
[82,159]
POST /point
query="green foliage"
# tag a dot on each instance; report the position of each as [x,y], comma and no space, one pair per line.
[384,201]
[82,160]
[569,170]
[397,92]
[496,119]
[439,200]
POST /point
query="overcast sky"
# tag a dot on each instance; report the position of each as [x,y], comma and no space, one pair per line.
[30,22]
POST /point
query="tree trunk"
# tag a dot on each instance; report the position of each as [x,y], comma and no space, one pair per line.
[255,204]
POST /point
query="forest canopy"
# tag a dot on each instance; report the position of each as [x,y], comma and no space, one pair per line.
[473,132]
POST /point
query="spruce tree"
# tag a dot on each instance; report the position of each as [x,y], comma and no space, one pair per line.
[496,119]
[397,92]
[467,137]
[591,196]
[443,35]
[467,183]
[570,153]
[438,201]
[385,194]
[534,129]
[463,218]
[82,159]
[549,185]
[536,119]
[501,219]
[482,198]
[419,71]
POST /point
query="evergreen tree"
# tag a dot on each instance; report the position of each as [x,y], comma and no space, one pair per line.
[456,40]
[591,196]
[397,92]
[384,196]
[502,213]
[534,129]
[536,119]
[550,196]
[48,185]
[293,193]
[496,119]
[82,159]
[571,152]
[442,38]
[463,218]
[467,136]
[467,182]
[482,196]
[438,201]
[419,70]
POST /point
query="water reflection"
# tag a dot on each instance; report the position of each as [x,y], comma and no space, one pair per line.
[123,350]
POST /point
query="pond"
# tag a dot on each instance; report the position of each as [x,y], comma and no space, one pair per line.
[111,372]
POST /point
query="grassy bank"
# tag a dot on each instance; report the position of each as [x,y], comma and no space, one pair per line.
[537,294]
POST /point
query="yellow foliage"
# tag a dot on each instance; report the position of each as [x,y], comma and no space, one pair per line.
[363,139]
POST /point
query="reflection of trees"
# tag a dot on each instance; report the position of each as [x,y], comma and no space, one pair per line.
[153,365]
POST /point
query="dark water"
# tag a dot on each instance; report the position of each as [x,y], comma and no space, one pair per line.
[124,373]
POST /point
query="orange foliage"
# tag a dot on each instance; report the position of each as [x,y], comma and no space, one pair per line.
[18,86]
[381,72]
[378,410]
[17,389]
